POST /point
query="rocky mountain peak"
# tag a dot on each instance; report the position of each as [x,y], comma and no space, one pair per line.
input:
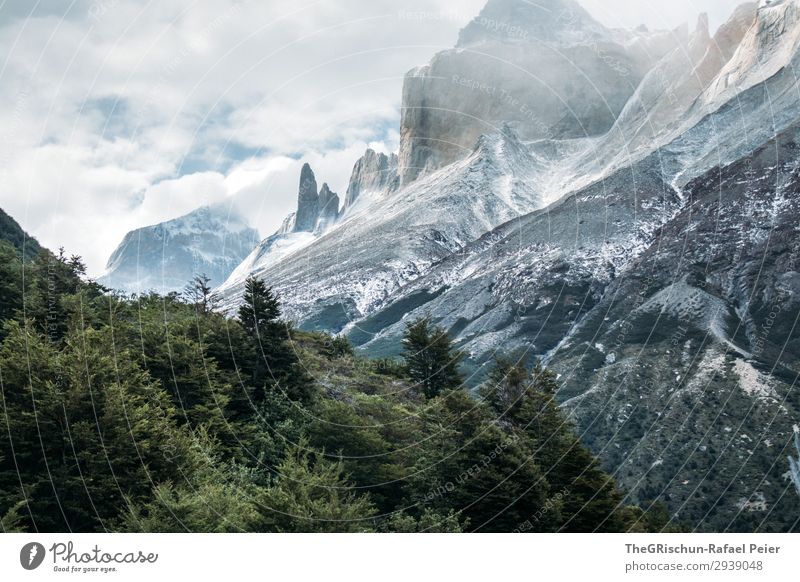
[307,202]
[372,172]
[316,210]
[701,31]
[328,208]
[520,21]
[546,66]
[769,45]
[504,142]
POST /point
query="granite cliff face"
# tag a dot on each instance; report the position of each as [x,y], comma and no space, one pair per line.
[374,172]
[316,211]
[546,68]
[307,215]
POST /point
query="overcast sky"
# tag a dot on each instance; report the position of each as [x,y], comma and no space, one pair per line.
[116,114]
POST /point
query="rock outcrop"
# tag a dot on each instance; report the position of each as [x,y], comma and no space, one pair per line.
[307,213]
[316,211]
[373,172]
[547,68]
[328,209]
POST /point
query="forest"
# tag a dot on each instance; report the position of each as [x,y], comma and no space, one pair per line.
[160,414]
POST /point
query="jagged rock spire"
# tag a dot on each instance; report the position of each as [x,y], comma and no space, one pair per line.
[328,208]
[307,202]
[315,210]
[372,172]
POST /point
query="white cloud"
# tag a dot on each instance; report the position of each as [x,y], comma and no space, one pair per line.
[119,113]
[666,15]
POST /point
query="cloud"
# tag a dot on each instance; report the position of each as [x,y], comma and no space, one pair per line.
[115,114]
[665,15]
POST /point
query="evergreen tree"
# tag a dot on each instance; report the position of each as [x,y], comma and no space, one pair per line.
[212,504]
[54,279]
[140,415]
[10,281]
[313,495]
[431,360]
[260,310]
[589,498]
[428,522]
[482,471]
[80,429]
[506,386]
[276,365]
[198,292]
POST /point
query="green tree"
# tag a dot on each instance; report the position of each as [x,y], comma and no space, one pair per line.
[214,504]
[431,359]
[312,494]
[12,521]
[81,429]
[199,293]
[589,497]
[275,362]
[54,281]
[428,522]
[507,385]
[260,310]
[10,281]
[481,470]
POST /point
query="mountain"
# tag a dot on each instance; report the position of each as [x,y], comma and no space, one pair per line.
[683,373]
[211,240]
[11,231]
[637,233]
[394,237]
[317,210]
[547,68]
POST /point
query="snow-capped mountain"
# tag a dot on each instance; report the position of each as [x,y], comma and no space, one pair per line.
[638,234]
[317,211]
[546,68]
[390,238]
[211,240]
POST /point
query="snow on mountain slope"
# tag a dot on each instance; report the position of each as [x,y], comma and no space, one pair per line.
[164,257]
[666,122]
[395,237]
[715,99]
[317,212]
[526,283]
[373,173]
[669,316]
[546,67]
[691,356]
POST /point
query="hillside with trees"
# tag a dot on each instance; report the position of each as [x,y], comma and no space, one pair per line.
[158,414]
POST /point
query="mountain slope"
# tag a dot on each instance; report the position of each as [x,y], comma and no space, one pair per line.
[649,259]
[164,257]
[683,373]
[12,232]
[546,67]
[395,237]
